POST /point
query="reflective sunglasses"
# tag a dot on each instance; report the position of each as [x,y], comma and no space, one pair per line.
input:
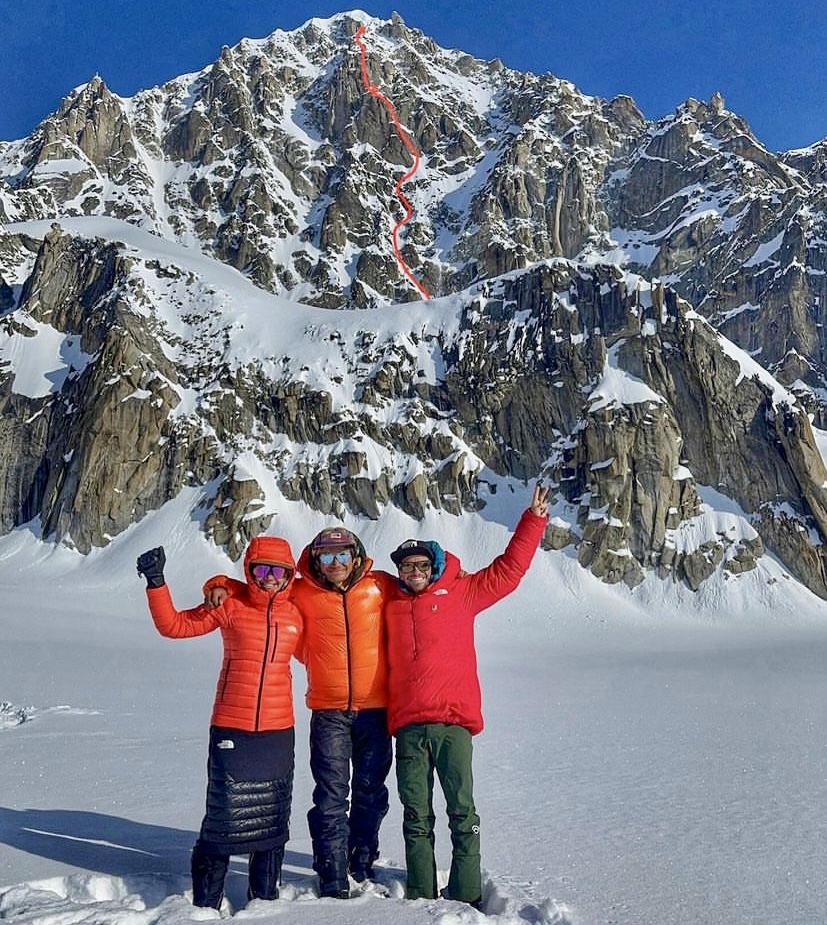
[343,558]
[262,572]
[422,565]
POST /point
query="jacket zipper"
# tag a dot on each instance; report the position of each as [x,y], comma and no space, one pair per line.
[347,653]
[413,632]
[226,680]
[263,666]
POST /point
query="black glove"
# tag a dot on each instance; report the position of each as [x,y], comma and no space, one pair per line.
[151,566]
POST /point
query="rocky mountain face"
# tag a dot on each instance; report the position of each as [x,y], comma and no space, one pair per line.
[587,265]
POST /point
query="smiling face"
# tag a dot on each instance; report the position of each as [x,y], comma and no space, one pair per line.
[270,577]
[415,572]
[336,564]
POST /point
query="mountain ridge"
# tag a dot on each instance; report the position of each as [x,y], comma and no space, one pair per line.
[573,248]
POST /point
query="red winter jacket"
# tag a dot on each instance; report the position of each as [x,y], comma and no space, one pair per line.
[261,632]
[431,656]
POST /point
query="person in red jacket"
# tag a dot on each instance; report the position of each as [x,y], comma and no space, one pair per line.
[251,750]
[434,698]
[340,598]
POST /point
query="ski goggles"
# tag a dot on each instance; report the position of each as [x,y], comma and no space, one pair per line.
[345,557]
[261,571]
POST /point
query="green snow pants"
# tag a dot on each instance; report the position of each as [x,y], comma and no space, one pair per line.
[421,749]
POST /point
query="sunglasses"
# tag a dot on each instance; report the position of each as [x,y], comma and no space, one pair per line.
[262,572]
[408,568]
[343,558]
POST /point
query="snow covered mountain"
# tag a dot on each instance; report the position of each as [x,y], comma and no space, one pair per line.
[168,266]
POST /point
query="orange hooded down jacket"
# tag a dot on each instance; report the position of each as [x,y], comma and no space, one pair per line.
[261,632]
[343,646]
[344,639]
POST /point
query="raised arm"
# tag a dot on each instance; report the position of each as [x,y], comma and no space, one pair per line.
[504,574]
[176,624]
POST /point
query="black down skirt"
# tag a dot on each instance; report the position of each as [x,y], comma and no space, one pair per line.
[249,790]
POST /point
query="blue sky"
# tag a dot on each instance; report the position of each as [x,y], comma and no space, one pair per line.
[768,59]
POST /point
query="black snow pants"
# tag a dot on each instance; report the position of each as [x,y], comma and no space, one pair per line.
[350,754]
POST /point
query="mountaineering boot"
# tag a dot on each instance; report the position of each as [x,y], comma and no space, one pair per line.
[333,880]
[361,864]
[332,891]
[208,873]
[265,874]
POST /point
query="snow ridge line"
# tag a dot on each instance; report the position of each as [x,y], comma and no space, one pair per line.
[373,90]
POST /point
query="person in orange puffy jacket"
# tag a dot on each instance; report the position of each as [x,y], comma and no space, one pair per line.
[340,598]
[251,749]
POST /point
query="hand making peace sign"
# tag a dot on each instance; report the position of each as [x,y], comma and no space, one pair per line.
[539,501]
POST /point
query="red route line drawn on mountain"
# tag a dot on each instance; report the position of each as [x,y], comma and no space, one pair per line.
[373,90]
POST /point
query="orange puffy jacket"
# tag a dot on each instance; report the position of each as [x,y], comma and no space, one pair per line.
[343,647]
[344,638]
[261,632]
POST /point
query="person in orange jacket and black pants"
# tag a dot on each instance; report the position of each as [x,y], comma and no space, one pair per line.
[251,751]
[340,598]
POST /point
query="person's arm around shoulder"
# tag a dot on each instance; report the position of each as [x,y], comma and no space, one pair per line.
[387,583]
[218,588]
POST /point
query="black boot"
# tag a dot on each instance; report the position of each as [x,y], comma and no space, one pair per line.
[333,880]
[361,863]
[208,873]
[265,874]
